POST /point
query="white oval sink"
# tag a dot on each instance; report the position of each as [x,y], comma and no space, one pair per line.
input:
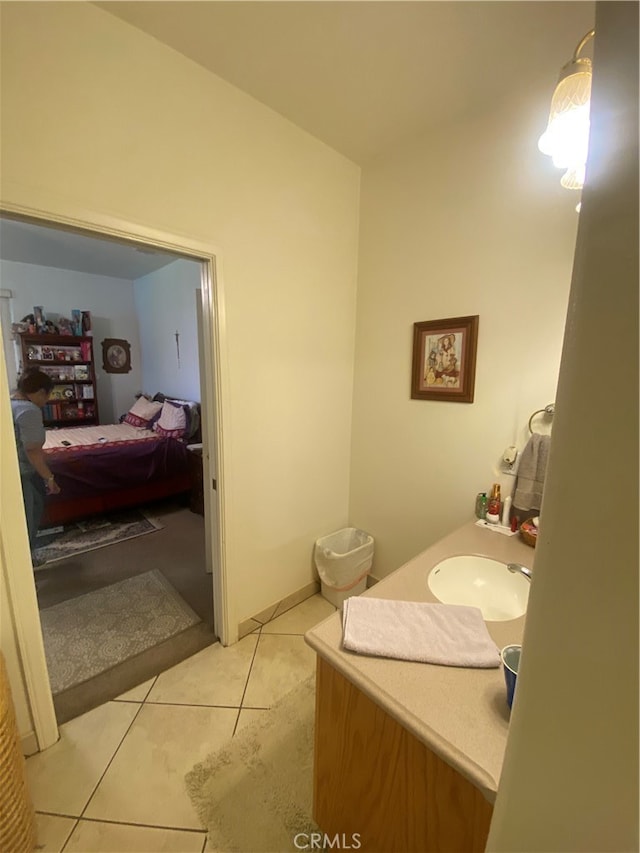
[480,582]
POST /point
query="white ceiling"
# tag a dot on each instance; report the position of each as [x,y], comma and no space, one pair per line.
[67,250]
[363,76]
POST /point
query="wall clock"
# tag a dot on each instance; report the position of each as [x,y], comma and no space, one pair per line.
[116,355]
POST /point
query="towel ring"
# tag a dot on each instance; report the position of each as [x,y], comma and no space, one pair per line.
[548,410]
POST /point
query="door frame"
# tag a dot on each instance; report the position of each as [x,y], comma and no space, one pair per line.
[215,375]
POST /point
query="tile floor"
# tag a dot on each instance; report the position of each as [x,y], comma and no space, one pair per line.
[114,782]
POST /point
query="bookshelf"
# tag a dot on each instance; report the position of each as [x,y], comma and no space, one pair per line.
[68,360]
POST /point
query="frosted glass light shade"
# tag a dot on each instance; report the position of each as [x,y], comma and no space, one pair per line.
[566,139]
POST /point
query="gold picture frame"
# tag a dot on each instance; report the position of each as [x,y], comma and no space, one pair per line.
[116,355]
[444,359]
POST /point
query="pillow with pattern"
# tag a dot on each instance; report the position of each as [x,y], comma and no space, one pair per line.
[172,422]
[191,410]
[143,413]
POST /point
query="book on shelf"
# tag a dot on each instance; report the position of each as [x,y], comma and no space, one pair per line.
[87,392]
[35,352]
[81,371]
[59,372]
[68,354]
[79,410]
[62,392]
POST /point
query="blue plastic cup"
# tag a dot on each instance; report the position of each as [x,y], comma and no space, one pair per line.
[510,662]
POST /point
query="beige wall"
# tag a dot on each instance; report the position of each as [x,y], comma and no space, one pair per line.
[469,220]
[9,647]
[97,114]
[98,117]
[12,520]
[570,777]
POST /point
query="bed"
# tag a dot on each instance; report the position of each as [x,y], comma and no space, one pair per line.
[111,466]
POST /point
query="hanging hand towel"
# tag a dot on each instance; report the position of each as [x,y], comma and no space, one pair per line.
[531,473]
[446,634]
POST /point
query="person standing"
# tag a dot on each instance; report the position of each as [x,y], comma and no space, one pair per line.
[27,403]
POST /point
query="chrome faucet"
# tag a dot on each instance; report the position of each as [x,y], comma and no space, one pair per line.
[516,567]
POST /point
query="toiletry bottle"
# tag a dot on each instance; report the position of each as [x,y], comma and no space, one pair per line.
[481,505]
[506,510]
[493,509]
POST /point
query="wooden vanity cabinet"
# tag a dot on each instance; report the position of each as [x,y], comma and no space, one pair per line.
[375,779]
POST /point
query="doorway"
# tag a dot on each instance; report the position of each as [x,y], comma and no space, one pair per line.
[208,343]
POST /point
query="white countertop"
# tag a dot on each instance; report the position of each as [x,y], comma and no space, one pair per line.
[459,713]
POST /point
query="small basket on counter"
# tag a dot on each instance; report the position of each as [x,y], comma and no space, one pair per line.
[529,532]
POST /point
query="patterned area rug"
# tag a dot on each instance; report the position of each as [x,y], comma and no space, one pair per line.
[269,765]
[59,543]
[87,635]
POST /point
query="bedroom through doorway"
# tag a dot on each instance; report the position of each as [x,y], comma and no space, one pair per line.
[123,587]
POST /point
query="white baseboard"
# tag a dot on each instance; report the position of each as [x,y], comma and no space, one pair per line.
[29,743]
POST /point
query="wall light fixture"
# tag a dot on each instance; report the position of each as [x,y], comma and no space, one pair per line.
[566,139]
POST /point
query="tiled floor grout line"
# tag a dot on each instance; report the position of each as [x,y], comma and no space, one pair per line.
[246,684]
[235,725]
[291,633]
[118,822]
[191,705]
[56,814]
[68,838]
[153,684]
[110,762]
[260,635]
[206,705]
[125,823]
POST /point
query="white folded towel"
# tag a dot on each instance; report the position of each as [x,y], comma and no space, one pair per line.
[446,634]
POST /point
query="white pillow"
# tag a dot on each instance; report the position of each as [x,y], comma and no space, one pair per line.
[142,413]
[172,422]
[192,411]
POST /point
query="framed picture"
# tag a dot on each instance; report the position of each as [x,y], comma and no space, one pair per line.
[444,359]
[116,355]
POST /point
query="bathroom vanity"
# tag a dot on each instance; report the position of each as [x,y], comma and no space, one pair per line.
[408,755]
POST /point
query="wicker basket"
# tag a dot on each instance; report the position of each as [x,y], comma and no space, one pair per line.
[17,821]
[528,537]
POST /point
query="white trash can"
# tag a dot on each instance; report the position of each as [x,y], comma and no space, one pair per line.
[343,560]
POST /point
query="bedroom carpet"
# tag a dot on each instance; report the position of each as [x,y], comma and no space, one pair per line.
[96,631]
[98,532]
[177,551]
[269,765]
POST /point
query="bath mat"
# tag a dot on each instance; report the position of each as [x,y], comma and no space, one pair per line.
[91,633]
[256,793]
[82,536]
